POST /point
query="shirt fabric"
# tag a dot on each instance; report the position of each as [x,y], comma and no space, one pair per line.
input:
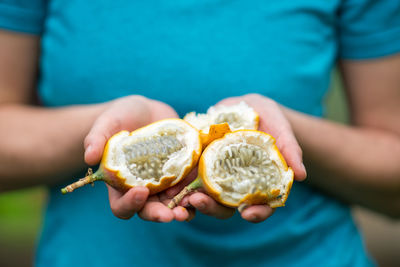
[191,54]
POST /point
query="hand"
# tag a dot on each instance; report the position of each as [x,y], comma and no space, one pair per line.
[129,113]
[207,205]
[273,122]
[185,211]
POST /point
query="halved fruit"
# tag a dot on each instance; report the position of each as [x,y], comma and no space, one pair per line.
[157,156]
[239,116]
[243,168]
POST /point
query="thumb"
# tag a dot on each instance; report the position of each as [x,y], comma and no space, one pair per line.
[161,111]
[95,141]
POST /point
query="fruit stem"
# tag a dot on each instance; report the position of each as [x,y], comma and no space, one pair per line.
[242,207]
[90,178]
[193,186]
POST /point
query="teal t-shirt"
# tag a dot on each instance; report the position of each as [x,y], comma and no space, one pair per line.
[191,54]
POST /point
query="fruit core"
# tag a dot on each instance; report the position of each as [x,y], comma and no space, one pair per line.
[233,119]
[144,158]
[245,168]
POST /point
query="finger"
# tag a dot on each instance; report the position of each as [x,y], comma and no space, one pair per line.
[230,101]
[293,158]
[94,151]
[174,190]
[257,213]
[209,206]
[292,153]
[285,138]
[126,205]
[103,128]
[180,213]
[167,200]
[281,130]
[161,110]
[156,211]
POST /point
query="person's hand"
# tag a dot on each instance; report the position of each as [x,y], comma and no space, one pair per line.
[273,122]
[196,201]
[130,113]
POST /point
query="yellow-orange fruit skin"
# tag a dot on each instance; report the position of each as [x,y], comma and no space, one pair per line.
[216,131]
[257,122]
[116,180]
[207,186]
[113,179]
[251,198]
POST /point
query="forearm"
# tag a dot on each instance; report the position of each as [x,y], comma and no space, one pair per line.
[42,145]
[357,165]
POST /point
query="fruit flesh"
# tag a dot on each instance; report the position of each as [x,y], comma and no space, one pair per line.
[157,156]
[146,158]
[238,116]
[149,155]
[245,166]
[233,119]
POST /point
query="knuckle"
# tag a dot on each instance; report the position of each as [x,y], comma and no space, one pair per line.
[141,98]
[136,98]
[271,102]
[253,95]
[114,124]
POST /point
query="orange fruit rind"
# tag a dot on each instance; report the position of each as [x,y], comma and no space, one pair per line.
[244,168]
[156,156]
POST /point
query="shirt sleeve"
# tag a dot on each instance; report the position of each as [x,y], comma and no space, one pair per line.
[368,28]
[25,16]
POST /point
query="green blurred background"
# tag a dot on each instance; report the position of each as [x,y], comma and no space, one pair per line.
[20,220]
[21,213]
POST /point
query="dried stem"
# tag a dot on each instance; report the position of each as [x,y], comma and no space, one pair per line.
[193,186]
[242,207]
[90,178]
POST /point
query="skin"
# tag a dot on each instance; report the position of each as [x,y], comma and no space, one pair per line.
[338,157]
